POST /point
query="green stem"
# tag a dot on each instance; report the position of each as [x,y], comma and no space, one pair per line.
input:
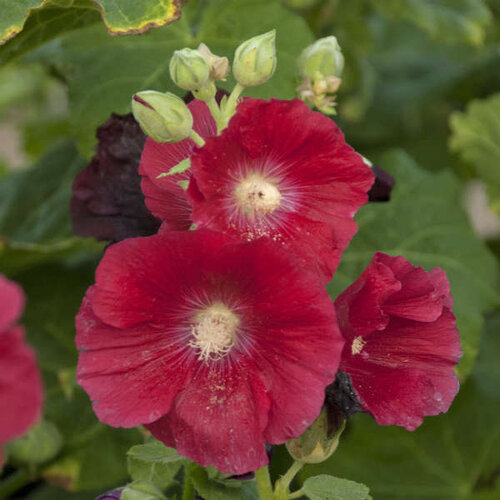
[188,492]
[230,107]
[14,483]
[296,494]
[233,97]
[283,484]
[197,138]
[216,113]
[264,485]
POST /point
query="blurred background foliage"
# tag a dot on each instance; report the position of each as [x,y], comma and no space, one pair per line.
[420,97]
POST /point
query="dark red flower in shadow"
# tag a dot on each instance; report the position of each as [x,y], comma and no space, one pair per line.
[20,382]
[107,201]
[401,341]
[215,345]
[165,194]
[283,172]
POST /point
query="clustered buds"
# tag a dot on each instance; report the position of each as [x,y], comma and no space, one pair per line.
[165,118]
[320,67]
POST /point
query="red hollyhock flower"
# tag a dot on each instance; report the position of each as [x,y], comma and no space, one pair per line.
[20,384]
[216,346]
[283,172]
[165,197]
[401,341]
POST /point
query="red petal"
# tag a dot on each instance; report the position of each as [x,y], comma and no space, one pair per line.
[402,341]
[20,383]
[139,278]
[11,302]
[406,372]
[171,206]
[132,375]
[219,419]
[321,179]
[418,298]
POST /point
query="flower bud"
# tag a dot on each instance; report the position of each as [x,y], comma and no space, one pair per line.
[317,443]
[219,66]
[164,117]
[255,60]
[41,444]
[323,56]
[189,70]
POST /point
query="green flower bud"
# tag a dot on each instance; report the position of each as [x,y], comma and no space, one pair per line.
[41,444]
[164,117]
[255,60]
[323,56]
[189,70]
[317,443]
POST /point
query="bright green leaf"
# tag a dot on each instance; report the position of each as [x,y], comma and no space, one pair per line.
[154,462]
[450,21]
[476,137]
[326,487]
[424,222]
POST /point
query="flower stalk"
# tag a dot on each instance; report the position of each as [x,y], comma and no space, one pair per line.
[264,486]
[282,491]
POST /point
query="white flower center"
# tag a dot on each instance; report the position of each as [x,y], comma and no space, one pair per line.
[213,332]
[357,345]
[257,196]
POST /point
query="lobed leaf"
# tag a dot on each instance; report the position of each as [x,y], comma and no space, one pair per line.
[476,137]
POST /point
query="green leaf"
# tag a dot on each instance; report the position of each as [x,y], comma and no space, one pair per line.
[212,485]
[450,21]
[39,445]
[103,72]
[450,457]
[326,487]
[154,462]
[142,490]
[12,16]
[121,17]
[35,223]
[424,223]
[48,22]
[124,17]
[34,203]
[476,137]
